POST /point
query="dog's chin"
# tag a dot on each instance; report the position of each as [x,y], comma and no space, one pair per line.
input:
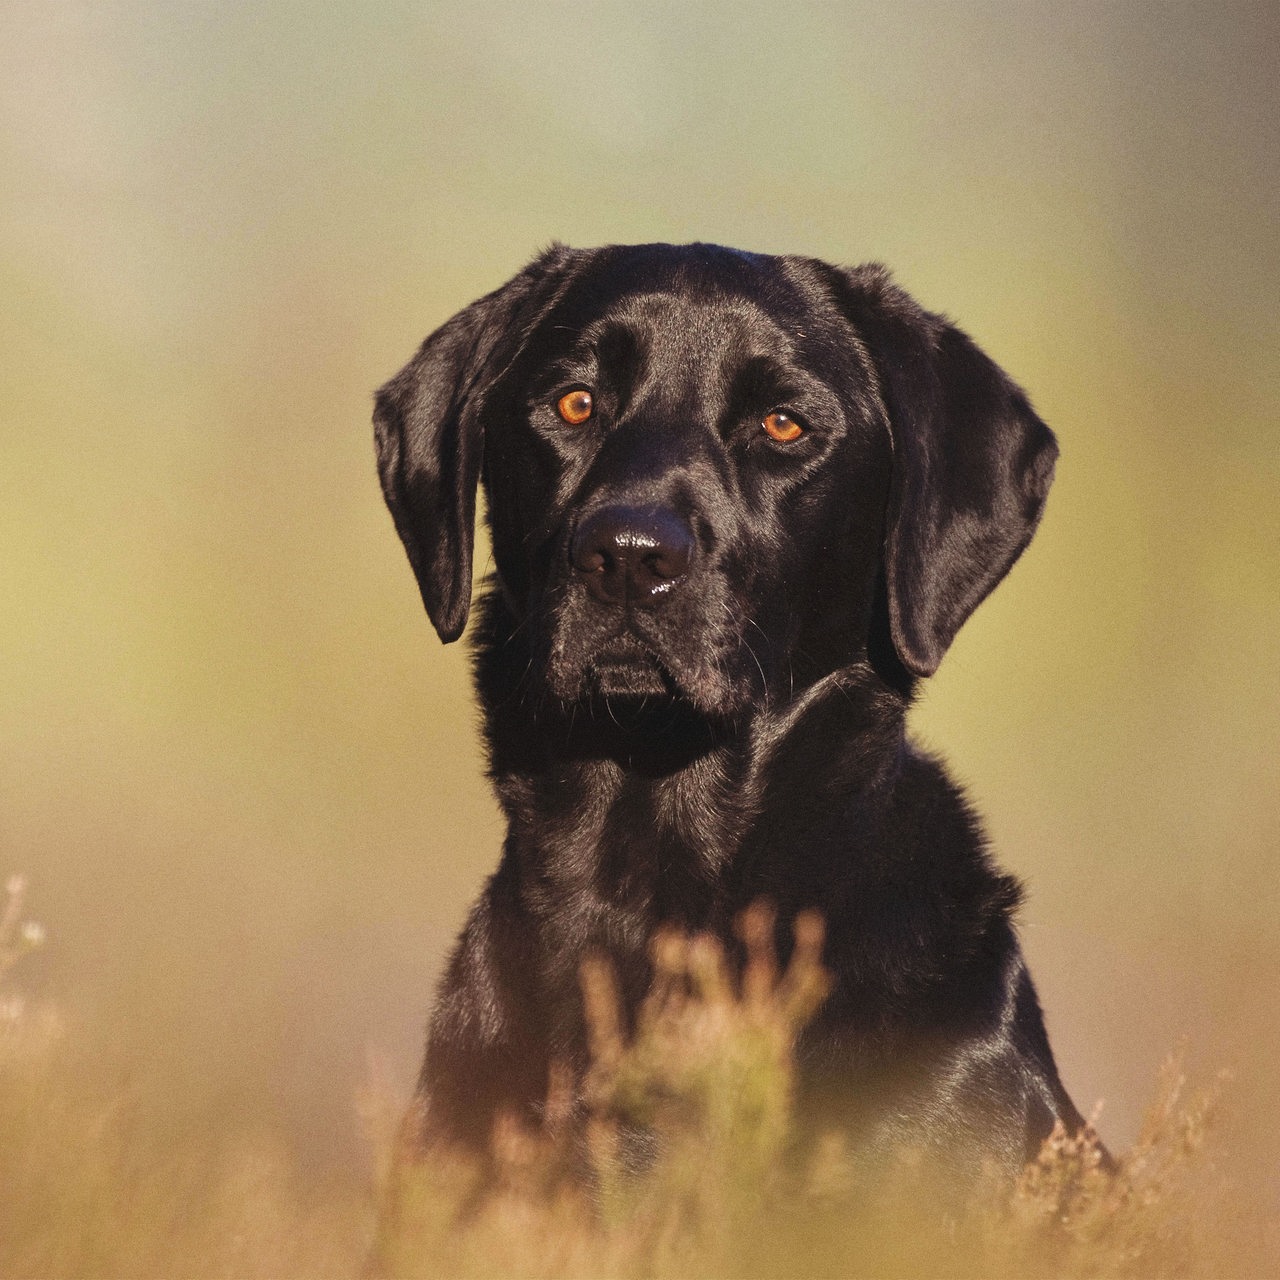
[627,680]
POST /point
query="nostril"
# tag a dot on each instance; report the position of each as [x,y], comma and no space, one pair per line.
[669,561]
[589,561]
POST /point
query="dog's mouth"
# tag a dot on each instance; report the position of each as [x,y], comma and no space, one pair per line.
[660,661]
[626,667]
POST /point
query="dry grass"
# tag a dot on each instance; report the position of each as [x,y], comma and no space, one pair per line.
[709,1070]
[87,1190]
[92,1185]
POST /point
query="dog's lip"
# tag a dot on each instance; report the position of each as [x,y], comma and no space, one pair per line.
[626,660]
[625,649]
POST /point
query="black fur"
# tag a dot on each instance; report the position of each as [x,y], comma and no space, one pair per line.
[670,745]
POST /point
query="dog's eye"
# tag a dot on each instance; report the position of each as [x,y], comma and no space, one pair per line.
[782,427]
[575,406]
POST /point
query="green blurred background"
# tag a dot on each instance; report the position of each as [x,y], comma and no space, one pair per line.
[237,766]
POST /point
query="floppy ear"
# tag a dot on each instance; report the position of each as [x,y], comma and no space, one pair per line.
[429,430]
[972,467]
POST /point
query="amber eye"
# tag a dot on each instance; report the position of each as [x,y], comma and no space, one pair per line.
[575,406]
[782,427]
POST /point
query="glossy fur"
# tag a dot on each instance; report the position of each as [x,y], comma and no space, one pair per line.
[734,731]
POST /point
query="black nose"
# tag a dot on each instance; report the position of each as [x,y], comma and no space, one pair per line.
[632,554]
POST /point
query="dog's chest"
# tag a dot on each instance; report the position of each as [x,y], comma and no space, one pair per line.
[604,841]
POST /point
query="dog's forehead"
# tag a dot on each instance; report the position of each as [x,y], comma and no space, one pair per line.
[675,327]
[683,302]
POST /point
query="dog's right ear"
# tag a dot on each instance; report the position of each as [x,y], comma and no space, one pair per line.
[429,429]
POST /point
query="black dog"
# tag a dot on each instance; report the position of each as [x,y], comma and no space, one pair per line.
[738,505]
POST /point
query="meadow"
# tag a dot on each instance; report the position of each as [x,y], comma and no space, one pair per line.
[92,1190]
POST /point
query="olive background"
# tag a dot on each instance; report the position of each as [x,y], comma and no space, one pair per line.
[240,771]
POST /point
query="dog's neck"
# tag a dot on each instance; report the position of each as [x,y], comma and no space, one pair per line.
[657,805]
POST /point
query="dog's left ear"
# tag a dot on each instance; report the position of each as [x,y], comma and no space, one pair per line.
[429,432]
[971,469]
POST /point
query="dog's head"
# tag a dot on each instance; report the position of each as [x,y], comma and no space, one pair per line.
[707,470]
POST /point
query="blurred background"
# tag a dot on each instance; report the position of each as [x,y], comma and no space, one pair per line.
[239,770]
